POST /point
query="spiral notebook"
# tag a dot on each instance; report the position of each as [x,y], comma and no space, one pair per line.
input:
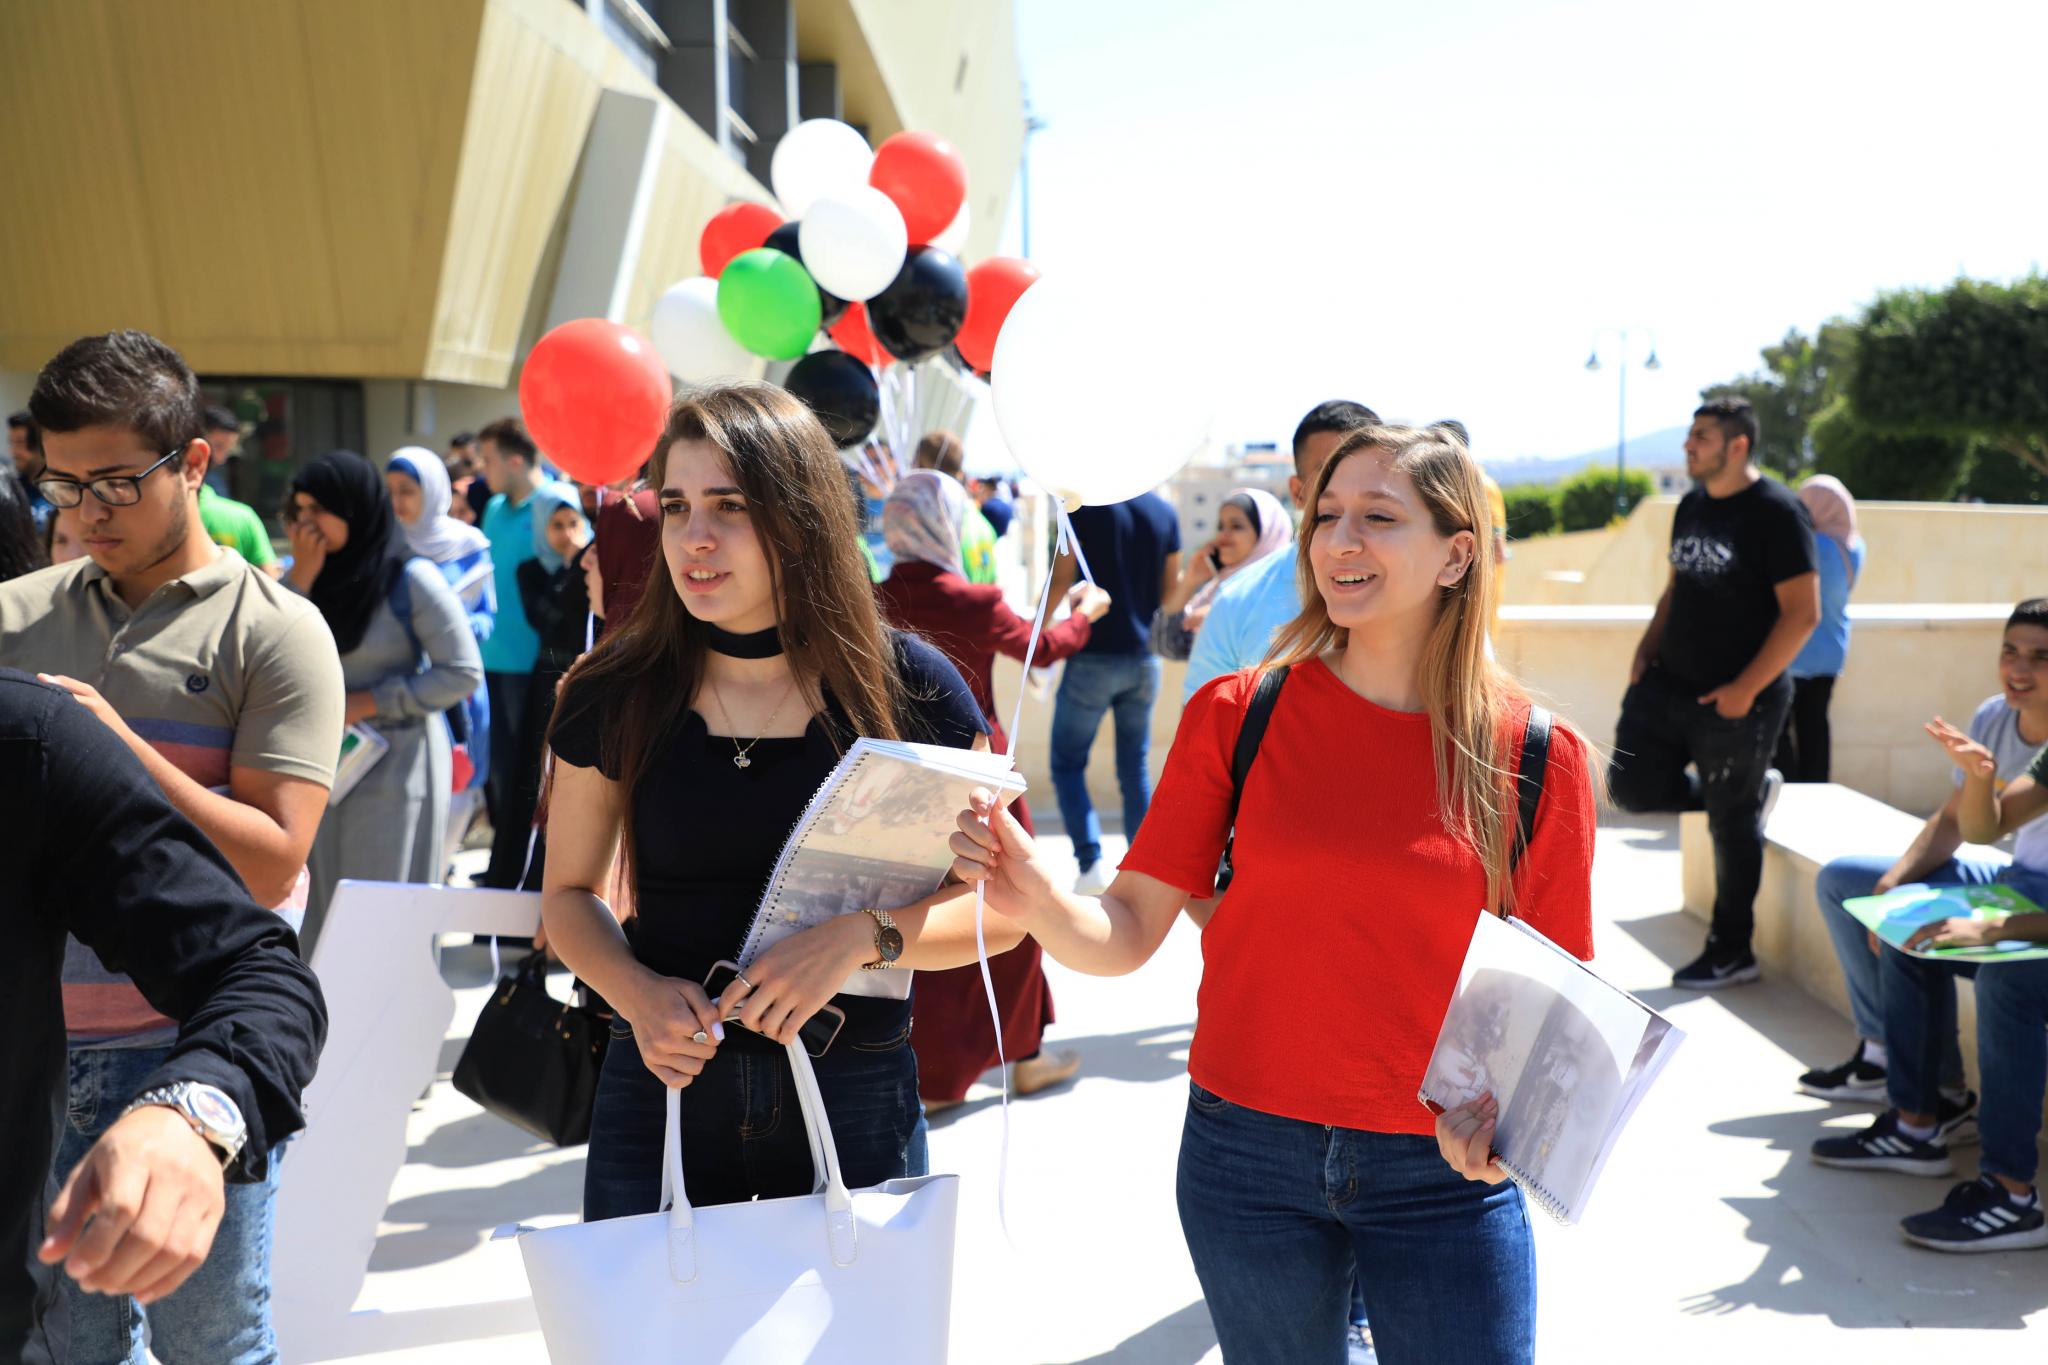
[875,835]
[1567,1056]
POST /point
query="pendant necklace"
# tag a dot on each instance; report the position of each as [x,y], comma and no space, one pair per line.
[739,756]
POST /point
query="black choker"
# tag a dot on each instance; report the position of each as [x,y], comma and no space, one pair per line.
[761,644]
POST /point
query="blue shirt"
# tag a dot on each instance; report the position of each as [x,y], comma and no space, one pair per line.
[1126,545]
[1827,649]
[513,647]
[1243,618]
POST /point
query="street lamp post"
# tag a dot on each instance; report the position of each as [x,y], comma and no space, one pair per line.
[1032,123]
[1621,431]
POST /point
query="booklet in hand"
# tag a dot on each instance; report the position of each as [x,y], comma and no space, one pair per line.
[1566,1055]
[361,747]
[875,836]
[1896,914]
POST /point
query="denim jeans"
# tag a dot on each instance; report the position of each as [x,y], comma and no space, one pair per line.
[2012,1045]
[743,1132]
[220,1316]
[1663,728]
[1124,684]
[1279,1213]
[1846,879]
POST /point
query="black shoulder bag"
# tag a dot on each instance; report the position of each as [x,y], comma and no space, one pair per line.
[532,1060]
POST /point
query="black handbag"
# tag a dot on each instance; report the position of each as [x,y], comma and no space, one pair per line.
[532,1060]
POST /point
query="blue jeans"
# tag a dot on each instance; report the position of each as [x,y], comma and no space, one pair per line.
[220,1316]
[2012,1042]
[1279,1213]
[1846,879]
[1092,684]
[743,1133]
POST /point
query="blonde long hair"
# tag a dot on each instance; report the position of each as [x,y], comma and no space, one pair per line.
[1467,696]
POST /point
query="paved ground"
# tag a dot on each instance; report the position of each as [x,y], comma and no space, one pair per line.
[1712,1237]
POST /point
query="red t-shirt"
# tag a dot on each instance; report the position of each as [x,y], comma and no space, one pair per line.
[1328,967]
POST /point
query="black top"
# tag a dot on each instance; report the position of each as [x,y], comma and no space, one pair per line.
[557,606]
[1126,545]
[95,850]
[708,833]
[1728,556]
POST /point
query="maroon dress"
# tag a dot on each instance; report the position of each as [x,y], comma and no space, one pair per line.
[970,623]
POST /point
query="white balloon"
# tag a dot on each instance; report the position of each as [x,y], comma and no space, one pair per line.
[853,244]
[953,239]
[691,340]
[1099,385]
[818,157]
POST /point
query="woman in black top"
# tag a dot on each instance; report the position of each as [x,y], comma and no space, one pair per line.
[711,716]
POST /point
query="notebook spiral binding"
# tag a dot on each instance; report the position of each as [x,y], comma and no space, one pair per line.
[764,914]
[1531,1189]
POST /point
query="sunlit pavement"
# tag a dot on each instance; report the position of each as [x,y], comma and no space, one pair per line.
[1711,1238]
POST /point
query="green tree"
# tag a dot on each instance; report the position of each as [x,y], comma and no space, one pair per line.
[1585,502]
[1532,510]
[1886,467]
[1968,363]
[1995,475]
[1798,378]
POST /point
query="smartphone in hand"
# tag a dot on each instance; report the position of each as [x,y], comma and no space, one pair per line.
[817,1032]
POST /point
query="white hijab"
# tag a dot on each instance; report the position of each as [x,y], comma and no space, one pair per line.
[435,534]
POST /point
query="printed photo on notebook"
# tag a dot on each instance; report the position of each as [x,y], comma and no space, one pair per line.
[875,835]
[1895,915]
[1567,1057]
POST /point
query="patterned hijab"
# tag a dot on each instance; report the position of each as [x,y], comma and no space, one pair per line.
[1269,520]
[922,517]
[435,534]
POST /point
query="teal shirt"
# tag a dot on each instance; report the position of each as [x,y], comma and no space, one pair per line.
[513,646]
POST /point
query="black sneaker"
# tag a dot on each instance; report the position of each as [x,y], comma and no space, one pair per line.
[1856,1080]
[1978,1215]
[1958,1121]
[1882,1147]
[1713,969]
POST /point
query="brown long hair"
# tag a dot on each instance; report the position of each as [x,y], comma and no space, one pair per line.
[1468,697]
[832,633]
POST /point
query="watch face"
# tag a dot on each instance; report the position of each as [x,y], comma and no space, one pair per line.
[214,1110]
[891,944]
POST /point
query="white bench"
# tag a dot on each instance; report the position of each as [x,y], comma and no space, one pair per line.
[1810,827]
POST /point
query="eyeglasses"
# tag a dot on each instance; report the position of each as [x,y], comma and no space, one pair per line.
[116,490]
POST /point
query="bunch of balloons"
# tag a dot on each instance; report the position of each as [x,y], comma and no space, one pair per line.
[865,246]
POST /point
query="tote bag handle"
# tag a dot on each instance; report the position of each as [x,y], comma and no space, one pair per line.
[841,1234]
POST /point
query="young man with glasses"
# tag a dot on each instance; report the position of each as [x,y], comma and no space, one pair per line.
[228,689]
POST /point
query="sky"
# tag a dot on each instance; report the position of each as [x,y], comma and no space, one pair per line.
[1439,209]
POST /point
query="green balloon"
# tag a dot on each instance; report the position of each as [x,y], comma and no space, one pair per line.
[767,300]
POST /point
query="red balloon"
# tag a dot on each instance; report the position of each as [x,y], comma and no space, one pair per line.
[993,288]
[595,396]
[733,229]
[925,177]
[856,338]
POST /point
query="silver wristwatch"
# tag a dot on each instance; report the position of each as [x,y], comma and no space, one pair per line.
[888,940]
[207,1108]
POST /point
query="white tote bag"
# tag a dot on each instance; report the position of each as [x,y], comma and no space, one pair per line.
[838,1275]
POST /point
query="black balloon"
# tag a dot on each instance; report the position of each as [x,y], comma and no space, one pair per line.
[920,312]
[841,391]
[783,239]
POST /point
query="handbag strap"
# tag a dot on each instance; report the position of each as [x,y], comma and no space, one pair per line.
[1252,730]
[841,1233]
[1529,782]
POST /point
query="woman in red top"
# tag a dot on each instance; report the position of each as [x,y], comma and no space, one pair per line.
[971,624]
[1375,827]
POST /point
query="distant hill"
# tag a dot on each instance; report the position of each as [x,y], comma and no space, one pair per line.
[1651,450]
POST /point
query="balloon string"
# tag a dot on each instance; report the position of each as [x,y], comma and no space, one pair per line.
[988,984]
[1072,540]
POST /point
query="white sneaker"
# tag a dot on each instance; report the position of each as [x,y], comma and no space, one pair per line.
[1093,881]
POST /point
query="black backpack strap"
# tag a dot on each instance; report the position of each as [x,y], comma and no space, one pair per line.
[1529,781]
[1252,731]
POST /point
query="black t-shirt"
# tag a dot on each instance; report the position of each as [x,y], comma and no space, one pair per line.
[708,833]
[1728,556]
[1126,544]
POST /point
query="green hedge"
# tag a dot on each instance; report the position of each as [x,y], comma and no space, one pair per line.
[1585,502]
[1532,510]
[1886,467]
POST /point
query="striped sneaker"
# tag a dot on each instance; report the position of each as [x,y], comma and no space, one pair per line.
[1979,1215]
[1882,1147]
[1958,1119]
